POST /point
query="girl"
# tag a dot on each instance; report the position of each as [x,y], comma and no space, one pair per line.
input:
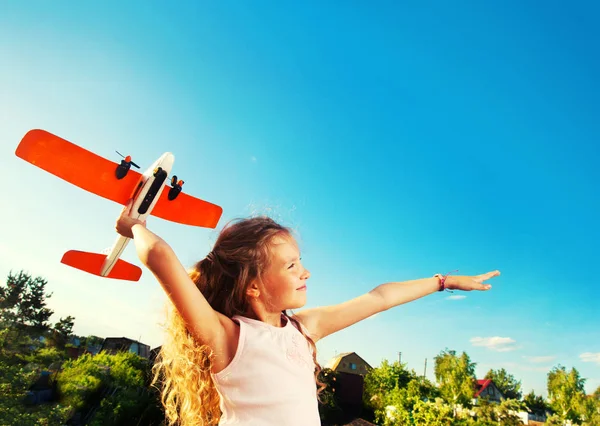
[233,355]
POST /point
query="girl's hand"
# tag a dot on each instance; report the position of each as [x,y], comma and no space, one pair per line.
[466,283]
[125,222]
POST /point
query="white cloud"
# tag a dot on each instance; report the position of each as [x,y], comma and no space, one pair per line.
[590,357]
[457,297]
[498,344]
[253,159]
[539,359]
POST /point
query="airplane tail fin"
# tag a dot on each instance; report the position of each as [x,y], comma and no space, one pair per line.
[92,263]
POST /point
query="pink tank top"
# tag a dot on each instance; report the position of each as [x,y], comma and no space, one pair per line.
[270,380]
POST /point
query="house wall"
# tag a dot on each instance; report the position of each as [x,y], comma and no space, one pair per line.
[492,393]
[349,390]
[352,364]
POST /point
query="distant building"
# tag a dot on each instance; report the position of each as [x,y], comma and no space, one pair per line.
[350,370]
[349,362]
[488,390]
[114,345]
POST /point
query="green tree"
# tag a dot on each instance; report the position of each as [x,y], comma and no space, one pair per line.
[456,377]
[380,381]
[506,412]
[535,403]
[422,389]
[23,308]
[565,392]
[506,383]
[62,330]
[589,410]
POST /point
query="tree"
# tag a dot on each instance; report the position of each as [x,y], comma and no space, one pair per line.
[380,381]
[422,389]
[23,308]
[535,403]
[506,383]
[589,411]
[456,376]
[565,392]
[62,330]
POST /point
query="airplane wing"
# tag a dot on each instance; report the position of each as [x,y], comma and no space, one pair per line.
[76,165]
[97,175]
[187,210]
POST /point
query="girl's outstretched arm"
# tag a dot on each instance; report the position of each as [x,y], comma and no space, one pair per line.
[208,326]
[326,320]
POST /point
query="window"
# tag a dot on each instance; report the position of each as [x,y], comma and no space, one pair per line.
[353,366]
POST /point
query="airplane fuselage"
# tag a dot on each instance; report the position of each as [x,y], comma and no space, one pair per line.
[145,195]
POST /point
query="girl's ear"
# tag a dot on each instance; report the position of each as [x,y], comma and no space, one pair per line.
[253,290]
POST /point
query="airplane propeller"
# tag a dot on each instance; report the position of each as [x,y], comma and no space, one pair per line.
[175,188]
[128,159]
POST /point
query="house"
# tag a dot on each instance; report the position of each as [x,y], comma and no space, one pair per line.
[113,345]
[349,362]
[350,370]
[487,389]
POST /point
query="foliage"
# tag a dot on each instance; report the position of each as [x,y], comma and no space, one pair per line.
[589,410]
[114,384]
[393,392]
[506,383]
[15,380]
[565,392]
[23,304]
[432,413]
[329,409]
[380,381]
[456,376]
[535,403]
[61,331]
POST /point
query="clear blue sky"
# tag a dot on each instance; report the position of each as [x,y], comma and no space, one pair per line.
[398,141]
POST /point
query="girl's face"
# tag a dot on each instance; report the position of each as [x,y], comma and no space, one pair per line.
[284,281]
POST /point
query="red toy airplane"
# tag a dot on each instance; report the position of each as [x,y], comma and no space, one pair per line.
[116,182]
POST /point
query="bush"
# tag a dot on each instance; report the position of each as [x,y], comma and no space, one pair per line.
[110,389]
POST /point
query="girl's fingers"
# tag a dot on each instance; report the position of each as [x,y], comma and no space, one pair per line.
[489,275]
[127,209]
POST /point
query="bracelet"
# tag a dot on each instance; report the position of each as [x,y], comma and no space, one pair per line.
[442,279]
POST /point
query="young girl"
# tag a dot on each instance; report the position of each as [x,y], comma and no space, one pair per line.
[233,355]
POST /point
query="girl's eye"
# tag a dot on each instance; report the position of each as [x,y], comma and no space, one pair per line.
[291,266]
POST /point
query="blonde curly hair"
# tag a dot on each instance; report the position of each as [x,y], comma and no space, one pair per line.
[183,366]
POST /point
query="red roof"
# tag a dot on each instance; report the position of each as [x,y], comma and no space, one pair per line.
[481,385]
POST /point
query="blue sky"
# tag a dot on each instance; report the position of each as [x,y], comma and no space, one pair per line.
[398,141]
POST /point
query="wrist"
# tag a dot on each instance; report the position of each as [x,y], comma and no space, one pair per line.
[451,282]
[446,282]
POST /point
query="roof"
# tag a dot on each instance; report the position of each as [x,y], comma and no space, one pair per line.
[335,361]
[481,385]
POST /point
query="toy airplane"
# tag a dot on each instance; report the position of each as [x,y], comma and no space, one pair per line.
[116,182]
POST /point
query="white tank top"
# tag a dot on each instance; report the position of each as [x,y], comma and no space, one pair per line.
[270,380]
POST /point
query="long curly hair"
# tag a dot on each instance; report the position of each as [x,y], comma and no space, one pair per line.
[183,366]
